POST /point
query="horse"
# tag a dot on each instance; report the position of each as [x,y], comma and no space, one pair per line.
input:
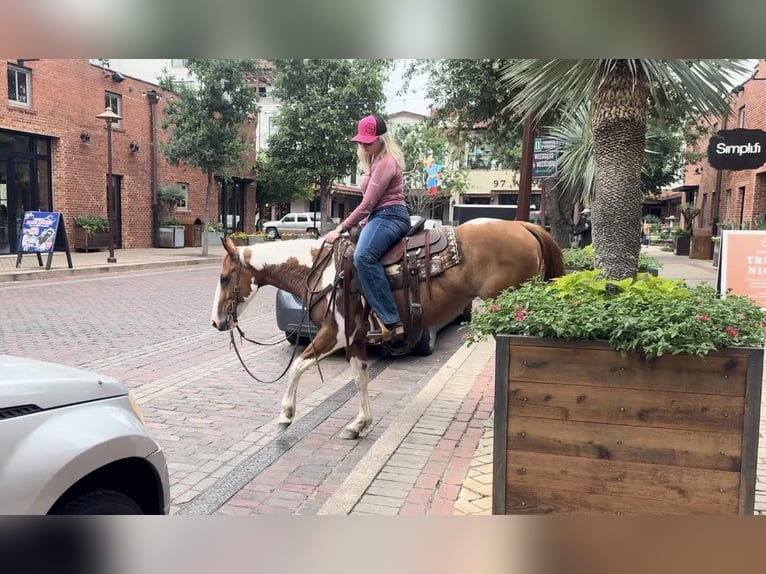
[479,258]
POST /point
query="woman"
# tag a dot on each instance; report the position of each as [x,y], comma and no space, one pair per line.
[383,216]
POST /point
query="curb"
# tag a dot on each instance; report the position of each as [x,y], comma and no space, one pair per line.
[94,270]
[343,500]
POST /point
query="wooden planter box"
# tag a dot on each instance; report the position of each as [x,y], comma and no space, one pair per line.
[581,430]
[96,242]
[171,236]
[682,245]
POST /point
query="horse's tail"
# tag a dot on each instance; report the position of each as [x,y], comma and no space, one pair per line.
[553,258]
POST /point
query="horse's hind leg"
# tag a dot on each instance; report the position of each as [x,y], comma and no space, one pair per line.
[363,420]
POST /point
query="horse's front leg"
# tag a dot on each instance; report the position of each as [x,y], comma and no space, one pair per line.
[320,347]
[363,420]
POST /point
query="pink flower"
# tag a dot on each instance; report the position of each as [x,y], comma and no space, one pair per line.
[521,314]
[704,317]
[494,308]
[732,331]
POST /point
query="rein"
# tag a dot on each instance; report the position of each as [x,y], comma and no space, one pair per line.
[311,296]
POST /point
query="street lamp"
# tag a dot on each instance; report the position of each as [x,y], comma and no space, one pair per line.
[109,117]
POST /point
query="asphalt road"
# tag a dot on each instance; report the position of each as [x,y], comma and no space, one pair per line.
[217,425]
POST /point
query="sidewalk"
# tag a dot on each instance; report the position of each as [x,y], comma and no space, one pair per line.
[95,262]
[436,457]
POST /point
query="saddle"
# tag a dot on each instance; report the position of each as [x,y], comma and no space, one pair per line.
[421,255]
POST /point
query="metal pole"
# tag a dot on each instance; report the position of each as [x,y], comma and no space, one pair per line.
[110,193]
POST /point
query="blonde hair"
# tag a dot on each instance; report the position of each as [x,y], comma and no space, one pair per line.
[390,147]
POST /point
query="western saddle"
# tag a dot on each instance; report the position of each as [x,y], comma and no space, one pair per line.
[421,255]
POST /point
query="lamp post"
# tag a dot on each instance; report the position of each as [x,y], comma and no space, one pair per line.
[109,117]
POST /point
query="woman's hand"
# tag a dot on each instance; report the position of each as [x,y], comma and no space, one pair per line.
[332,236]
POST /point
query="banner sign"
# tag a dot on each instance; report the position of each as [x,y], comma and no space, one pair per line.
[738,149]
[38,231]
[545,161]
[743,264]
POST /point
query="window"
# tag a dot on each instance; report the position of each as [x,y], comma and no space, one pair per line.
[728,204]
[18,85]
[180,63]
[114,101]
[288,219]
[261,91]
[741,117]
[303,219]
[183,204]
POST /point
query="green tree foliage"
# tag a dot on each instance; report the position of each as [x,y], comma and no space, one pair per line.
[420,143]
[203,121]
[321,103]
[272,185]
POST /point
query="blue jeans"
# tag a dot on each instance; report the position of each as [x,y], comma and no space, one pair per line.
[385,227]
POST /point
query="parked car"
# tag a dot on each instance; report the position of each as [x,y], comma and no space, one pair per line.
[303,222]
[74,442]
[291,321]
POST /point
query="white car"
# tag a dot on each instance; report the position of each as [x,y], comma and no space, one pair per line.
[73,442]
[302,222]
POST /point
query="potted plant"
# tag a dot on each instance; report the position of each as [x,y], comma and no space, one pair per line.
[214,233]
[683,236]
[91,232]
[642,401]
[579,259]
[171,230]
[239,238]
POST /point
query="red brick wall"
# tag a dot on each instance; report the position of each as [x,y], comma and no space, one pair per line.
[66,95]
[753,97]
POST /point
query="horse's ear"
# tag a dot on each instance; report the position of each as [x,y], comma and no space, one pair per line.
[229,246]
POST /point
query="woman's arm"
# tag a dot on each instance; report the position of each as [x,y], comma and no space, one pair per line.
[381,176]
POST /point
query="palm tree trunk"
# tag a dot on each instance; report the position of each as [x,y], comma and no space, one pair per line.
[619,133]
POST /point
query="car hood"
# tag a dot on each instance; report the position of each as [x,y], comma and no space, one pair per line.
[49,385]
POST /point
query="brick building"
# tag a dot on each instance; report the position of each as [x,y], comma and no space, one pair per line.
[53,152]
[731,197]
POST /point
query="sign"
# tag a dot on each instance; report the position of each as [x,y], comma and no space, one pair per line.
[743,264]
[545,158]
[738,149]
[40,234]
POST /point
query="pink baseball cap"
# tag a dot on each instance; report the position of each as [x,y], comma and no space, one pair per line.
[369,128]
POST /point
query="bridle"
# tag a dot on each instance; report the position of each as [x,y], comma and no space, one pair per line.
[311,295]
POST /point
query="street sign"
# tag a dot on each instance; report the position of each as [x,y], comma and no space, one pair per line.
[545,158]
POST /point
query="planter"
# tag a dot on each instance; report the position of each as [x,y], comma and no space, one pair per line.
[682,245]
[701,247]
[598,433]
[239,242]
[253,239]
[716,252]
[96,242]
[214,238]
[171,236]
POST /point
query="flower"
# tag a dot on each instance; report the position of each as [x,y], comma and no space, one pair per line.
[632,314]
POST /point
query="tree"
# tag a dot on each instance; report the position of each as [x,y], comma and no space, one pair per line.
[203,121]
[427,153]
[321,103]
[272,185]
[619,93]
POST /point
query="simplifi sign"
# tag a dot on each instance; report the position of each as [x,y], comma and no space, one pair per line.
[737,149]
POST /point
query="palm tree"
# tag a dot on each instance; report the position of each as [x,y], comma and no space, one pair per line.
[619,93]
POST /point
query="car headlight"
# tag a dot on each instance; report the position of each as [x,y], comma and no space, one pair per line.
[136,409]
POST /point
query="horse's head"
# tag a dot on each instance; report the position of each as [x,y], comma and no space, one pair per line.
[235,289]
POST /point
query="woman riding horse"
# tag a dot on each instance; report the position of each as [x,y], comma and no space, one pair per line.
[496,255]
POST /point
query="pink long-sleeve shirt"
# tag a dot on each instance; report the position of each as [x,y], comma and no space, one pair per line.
[383,186]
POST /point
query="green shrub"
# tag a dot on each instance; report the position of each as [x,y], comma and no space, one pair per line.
[650,314]
[91,223]
[584,259]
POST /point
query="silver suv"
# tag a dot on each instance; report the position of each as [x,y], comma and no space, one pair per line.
[299,222]
[74,442]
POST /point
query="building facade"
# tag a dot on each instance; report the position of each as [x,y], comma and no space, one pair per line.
[54,153]
[730,198]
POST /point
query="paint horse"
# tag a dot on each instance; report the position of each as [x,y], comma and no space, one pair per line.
[492,255]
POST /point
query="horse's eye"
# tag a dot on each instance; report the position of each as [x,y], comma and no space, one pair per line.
[224,279]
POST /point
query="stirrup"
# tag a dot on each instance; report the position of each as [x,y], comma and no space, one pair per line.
[383,333]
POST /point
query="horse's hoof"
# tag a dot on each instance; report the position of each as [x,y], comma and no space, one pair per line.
[281,427]
[347,434]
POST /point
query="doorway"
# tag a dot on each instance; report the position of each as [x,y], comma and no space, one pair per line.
[117,183]
[15,199]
